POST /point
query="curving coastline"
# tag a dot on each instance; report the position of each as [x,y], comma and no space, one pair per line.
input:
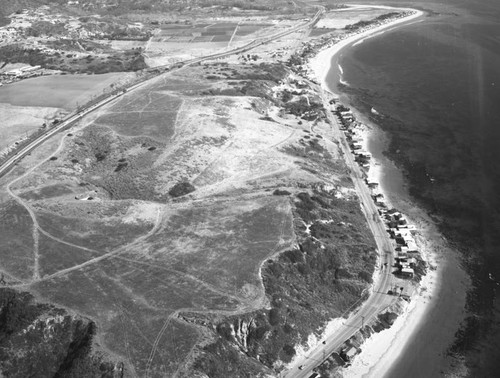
[321,64]
[385,352]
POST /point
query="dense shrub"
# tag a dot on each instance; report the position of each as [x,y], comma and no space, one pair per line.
[16,311]
[181,188]
[274,316]
[279,192]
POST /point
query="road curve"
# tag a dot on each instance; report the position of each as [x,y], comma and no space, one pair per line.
[379,299]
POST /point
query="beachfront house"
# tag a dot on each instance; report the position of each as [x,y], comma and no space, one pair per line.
[407,272]
[412,247]
[356,146]
[349,354]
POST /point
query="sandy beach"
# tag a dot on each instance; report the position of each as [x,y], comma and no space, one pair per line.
[321,63]
[442,290]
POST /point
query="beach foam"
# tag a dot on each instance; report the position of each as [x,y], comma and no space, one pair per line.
[382,349]
[320,64]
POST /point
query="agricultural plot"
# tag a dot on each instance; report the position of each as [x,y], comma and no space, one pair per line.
[176,41]
[218,32]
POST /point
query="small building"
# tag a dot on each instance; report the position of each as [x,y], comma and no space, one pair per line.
[402,250]
[412,247]
[356,146]
[364,154]
[13,73]
[407,272]
[30,68]
[349,354]
[408,239]
[399,240]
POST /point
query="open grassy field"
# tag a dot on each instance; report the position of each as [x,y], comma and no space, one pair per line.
[194,262]
[152,116]
[115,243]
[16,243]
[58,91]
[17,121]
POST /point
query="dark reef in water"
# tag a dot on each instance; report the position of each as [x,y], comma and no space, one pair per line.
[455,193]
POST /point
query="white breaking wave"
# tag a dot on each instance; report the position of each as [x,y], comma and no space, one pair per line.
[343,82]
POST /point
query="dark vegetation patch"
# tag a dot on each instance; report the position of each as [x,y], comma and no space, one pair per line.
[48,191]
[121,166]
[307,109]
[317,159]
[115,62]
[251,80]
[362,24]
[238,365]
[181,189]
[59,344]
[112,168]
[307,286]
[281,192]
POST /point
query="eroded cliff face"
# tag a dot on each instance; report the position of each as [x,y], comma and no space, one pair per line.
[45,341]
[326,274]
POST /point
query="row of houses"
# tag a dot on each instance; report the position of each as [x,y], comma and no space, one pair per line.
[351,129]
[11,76]
[396,223]
[402,232]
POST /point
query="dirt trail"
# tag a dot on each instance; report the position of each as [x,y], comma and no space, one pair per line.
[36,226]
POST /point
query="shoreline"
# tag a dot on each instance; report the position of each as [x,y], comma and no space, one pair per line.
[382,351]
[321,64]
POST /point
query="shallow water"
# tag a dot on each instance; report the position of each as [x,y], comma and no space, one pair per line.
[436,85]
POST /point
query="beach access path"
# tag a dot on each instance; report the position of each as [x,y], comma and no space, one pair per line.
[379,299]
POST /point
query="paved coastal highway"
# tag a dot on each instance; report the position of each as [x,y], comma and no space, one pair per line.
[9,163]
[379,299]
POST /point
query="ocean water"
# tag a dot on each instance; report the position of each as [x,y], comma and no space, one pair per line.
[436,87]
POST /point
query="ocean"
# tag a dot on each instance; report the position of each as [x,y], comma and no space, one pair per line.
[436,87]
